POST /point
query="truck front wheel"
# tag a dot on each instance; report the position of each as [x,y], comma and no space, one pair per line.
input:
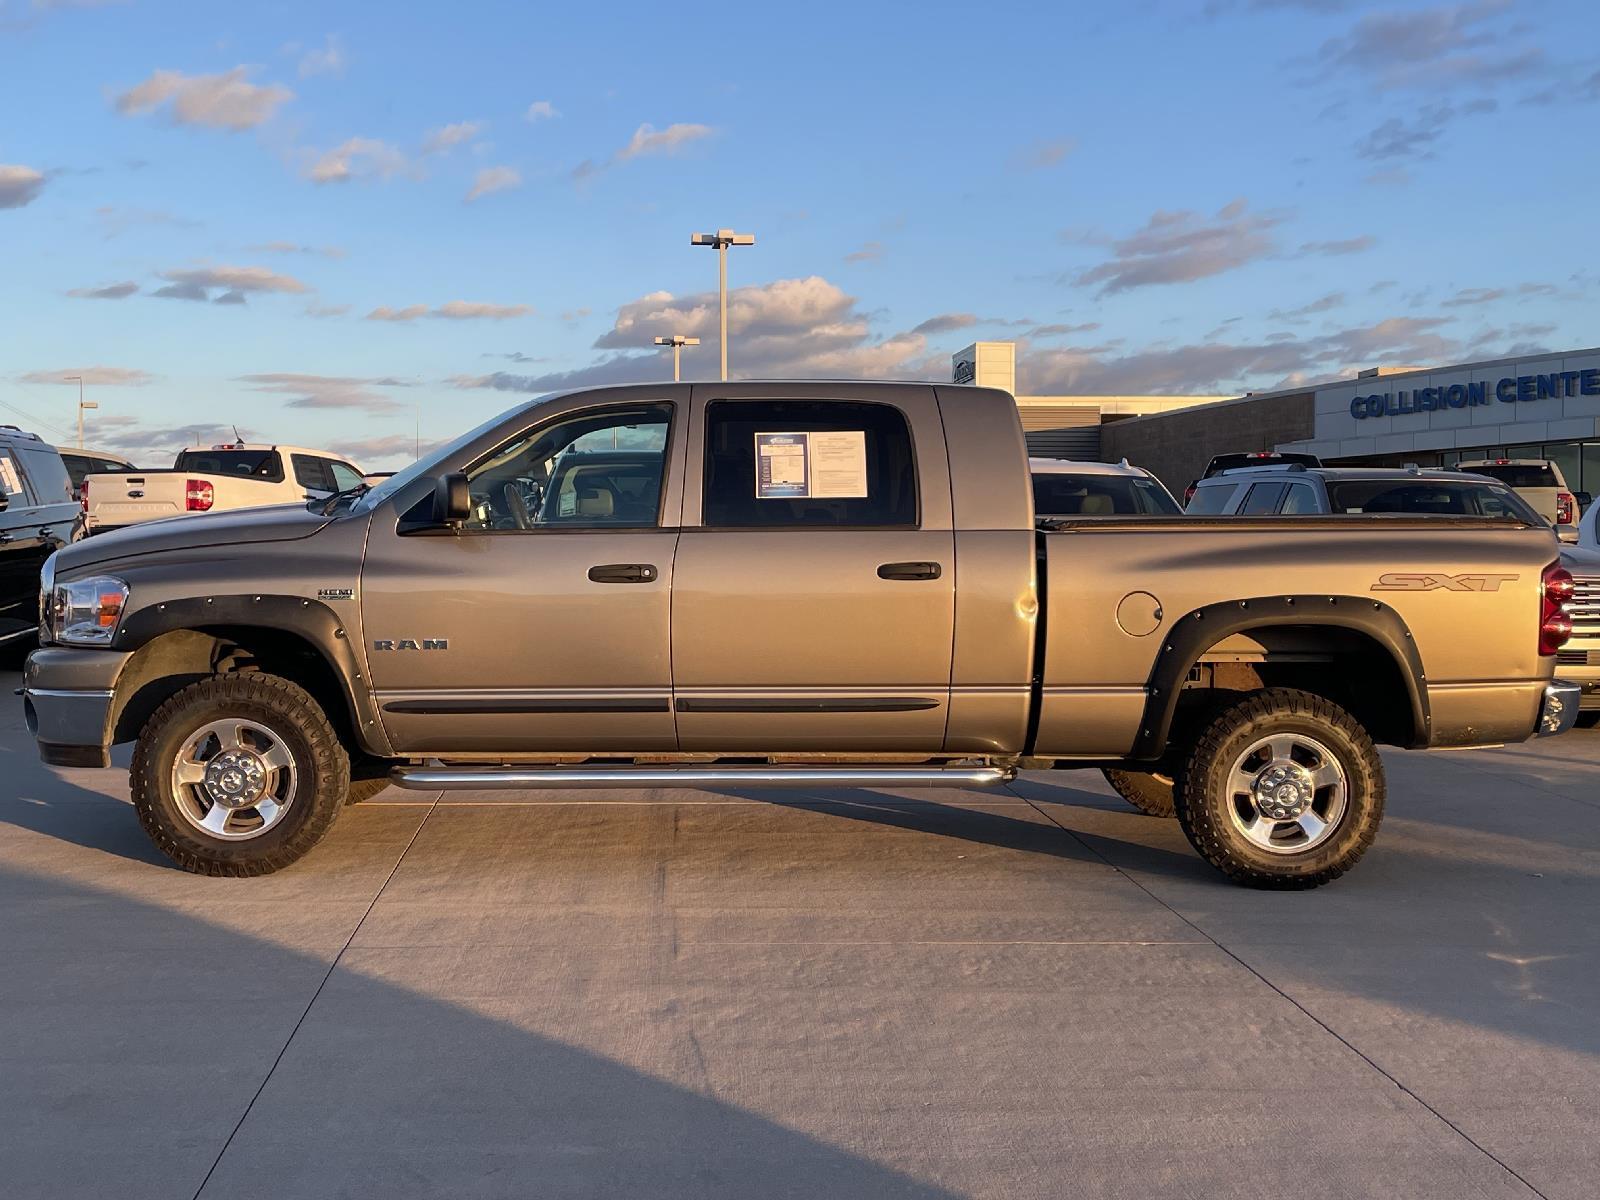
[1151,794]
[1283,790]
[238,775]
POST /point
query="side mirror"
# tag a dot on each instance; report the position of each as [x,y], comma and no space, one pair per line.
[1567,534]
[452,501]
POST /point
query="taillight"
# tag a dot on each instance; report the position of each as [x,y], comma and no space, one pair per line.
[1188,493]
[198,495]
[83,495]
[1555,626]
[1564,506]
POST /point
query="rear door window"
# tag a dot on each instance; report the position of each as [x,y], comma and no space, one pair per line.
[47,474]
[345,476]
[312,473]
[860,473]
[11,479]
[1300,500]
[1211,501]
[1262,499]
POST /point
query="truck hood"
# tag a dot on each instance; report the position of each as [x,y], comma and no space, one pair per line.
[277,523]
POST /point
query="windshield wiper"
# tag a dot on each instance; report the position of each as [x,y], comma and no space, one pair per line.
[332,501]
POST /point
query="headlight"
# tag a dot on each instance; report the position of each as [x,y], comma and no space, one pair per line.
[47,584]
[85,612]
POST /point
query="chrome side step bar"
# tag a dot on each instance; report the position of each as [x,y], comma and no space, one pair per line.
[424,779]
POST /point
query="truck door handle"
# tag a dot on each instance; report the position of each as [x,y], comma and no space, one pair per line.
[910,570]
[4,538]
[623,573]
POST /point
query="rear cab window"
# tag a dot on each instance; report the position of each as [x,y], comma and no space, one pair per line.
[249,464]
[1518,475]
[1064,494]
[773,464]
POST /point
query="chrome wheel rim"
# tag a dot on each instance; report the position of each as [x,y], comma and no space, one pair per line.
[234,779]
[1287,793]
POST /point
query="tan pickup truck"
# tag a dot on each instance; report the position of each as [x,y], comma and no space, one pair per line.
[783,584]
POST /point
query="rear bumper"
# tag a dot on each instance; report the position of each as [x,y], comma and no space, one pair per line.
[1560,708]
[67,699]
[1585,678]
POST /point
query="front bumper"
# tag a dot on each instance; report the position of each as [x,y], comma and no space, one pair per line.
[1559,711]
[68,696]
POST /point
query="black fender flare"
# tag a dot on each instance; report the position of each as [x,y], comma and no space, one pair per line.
[1198,631]
[310,620]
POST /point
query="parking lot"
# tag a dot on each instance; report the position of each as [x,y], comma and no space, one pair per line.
[853,994]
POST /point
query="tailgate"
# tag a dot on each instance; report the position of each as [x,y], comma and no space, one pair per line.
[126,499]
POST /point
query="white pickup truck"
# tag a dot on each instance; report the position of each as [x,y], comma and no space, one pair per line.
[232,475]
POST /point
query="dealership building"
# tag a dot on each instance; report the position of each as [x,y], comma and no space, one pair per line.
[1532,406]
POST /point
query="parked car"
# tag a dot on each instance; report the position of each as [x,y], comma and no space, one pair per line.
[37,509]
[1578,661]
[82,462]
[228,476]
[1252,458]
[1066,488]
[1295,490]
[1537,480]
[828,585]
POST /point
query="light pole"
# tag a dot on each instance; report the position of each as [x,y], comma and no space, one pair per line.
[722,239]
[82,404]
[677,341]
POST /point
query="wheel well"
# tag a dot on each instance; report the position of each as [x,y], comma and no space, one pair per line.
[167,664]
[1349,667]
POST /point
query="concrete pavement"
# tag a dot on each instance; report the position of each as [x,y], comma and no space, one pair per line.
[1033,993]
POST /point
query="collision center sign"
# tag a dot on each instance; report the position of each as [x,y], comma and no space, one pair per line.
[1512,389]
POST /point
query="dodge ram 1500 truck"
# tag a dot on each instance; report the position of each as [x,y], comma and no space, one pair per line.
[783,584]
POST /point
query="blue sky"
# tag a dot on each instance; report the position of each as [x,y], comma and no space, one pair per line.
[330,223]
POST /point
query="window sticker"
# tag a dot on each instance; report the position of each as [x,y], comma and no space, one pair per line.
[839,464]
[8,476]
[782,467]
[824,465]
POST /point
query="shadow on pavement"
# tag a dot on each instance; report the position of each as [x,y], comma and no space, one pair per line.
[124,1073]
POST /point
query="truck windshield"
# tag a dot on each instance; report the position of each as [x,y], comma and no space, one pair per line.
[256,464]
[1422,497]
[1066,495]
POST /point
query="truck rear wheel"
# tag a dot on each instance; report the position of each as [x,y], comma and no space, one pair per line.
[1283,790]
[1151,794]
[238,775]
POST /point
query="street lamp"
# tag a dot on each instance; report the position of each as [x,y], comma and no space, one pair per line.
[722,239]
[677,341]
[82,404]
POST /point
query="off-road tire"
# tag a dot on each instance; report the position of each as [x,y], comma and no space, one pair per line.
[1151,794]
[289,711]
[1203,807]
[365,789]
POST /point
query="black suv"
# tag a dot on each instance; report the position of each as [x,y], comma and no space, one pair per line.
[37,509]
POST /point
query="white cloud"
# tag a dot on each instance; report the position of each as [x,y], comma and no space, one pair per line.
[326,391]
[647,139]
[454,310]
[1179,247]
[19,185]
[241,279]
[447,137]
[328,60]
[494,179]
[297,248]
[356,158]
[226,101]
[542,110]
[92,376]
